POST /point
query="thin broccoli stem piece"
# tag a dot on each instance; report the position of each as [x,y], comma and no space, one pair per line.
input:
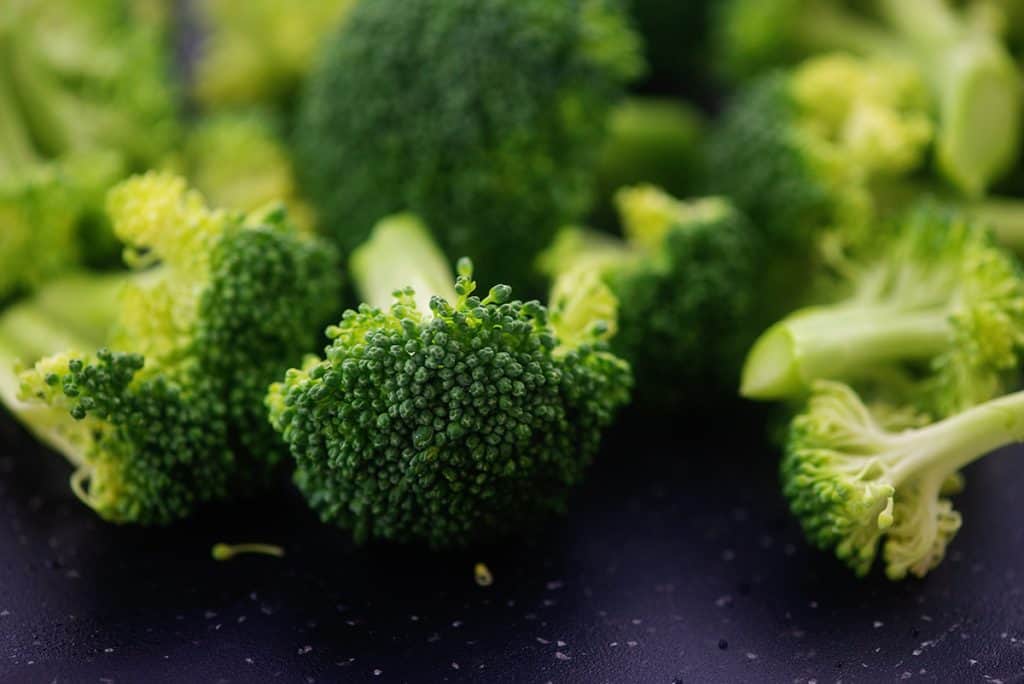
[16,149]
[1004,216]
[949,445]
[838,343]
[223,552]
[826,26]
[401,253]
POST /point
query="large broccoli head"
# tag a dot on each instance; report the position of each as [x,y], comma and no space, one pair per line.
[170,412]
[444,426]
[484,117]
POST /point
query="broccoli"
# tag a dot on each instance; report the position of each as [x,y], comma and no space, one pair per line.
[851,481]
[938,299]
[484,117]
[236,160]
[799,150]
[650,140]
[439,417]
[165,411]
[259,51]
[84,98]
[974,84]
[684,287]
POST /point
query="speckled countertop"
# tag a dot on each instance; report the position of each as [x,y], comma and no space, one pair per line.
[679,564]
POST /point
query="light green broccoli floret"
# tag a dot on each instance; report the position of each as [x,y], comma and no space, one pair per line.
[685,286]
[853,483]
[800,150]
[483,117]
[152,382]
[237,160]
[259,51]
[439,417]
[973,82]
[937,296]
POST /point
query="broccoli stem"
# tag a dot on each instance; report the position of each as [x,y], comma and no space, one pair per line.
[837,343]
[400,253]
[826,26]
[977,88]
[223,552]
[16,149]
[1004,216]
[948,445]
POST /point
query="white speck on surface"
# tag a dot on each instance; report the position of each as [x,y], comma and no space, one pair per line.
[250,661]
[554,585]
[4,613]
[632,644]
[378,673]
[813,604]
[108,650]
[209,615]
[561,656]
[926,618]
[751,656]
[457,624]
[878,624]
[455,665]
[414,618]
[972,661]
[542,640]
[723,601]
[305,649]
[241,619]
[907,675]
[614,644]
[636,621]
[560,644]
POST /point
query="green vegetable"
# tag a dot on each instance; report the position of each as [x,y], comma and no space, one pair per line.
[223,552]
[167,412]
[259,51]
[682,290]
[974,84]
[483,116]
[799,151]
[650,140]
[937,293]
[439,417]
[237,160]
[852,482]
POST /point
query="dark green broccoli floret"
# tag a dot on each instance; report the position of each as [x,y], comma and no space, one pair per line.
[446,422]
[482,116]
[168,412]
[799,150]
[852,482]
[683,291]
[936,296]
[973,82]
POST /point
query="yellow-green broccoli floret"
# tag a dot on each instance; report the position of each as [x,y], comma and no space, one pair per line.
[937,297]
[439,417]
[485,117]
[853,483]
[165,411]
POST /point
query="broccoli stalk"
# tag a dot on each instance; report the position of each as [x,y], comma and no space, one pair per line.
[155,394]
[852,482]
[678,294]
[939,294]
[443,418]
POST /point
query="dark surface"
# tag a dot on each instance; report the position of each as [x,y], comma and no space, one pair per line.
[678,564]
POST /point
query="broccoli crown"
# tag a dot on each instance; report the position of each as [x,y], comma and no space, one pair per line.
[483,117]
[681,291]
[798,150]
[851,482]
[237,160]
[259,51]
[171,413]
[936,299]
[449,426]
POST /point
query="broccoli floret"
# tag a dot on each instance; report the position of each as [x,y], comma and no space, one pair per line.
[974,84]
[85,96]
[448,422]
[684,291]
[851,482]
[236,160]
[259,51]
[799,150]
[650,140]
[165,412]
[483,116]
[937,294]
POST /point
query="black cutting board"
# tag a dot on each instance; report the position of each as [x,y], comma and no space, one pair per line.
[679,563]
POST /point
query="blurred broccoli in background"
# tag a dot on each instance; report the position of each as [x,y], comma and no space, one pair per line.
[237,160]
[86,95]
[483,116]
[974,84]
[259,51]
